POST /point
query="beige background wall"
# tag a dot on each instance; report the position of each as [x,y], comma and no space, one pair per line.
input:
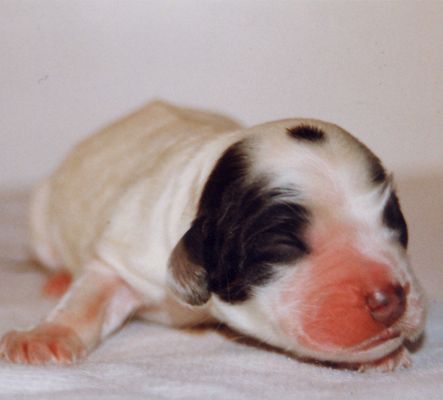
[375,67]
[68,67]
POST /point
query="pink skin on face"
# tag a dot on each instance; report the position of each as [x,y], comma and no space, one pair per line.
[331,295]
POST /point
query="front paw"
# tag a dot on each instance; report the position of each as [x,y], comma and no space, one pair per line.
[47,343]
[396,360]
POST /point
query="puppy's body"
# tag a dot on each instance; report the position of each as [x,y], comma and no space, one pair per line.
[289,231]
[126,195]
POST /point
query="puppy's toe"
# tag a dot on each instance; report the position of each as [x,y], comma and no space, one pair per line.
[42,345]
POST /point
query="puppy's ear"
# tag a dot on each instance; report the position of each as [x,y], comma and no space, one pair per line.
[187,278]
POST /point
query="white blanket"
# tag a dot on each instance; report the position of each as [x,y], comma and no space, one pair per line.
[144,361]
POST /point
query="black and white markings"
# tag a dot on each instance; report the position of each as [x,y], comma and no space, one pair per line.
[393,218]
[243,227]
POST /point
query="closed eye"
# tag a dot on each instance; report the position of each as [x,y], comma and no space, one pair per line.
[276,248]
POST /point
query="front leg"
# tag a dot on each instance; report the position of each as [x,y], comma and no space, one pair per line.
[96,304]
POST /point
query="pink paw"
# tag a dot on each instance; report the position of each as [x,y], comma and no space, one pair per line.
[396,360]
[42,345]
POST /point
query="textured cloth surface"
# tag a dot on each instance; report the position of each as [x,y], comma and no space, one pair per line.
[147,361]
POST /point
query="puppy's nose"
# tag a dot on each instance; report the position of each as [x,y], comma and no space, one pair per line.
[387,305]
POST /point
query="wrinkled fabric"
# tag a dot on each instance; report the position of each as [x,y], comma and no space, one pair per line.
[148,361]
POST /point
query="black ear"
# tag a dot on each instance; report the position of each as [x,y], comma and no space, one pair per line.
[187,278]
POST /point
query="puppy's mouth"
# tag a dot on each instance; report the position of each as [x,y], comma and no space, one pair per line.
[386,336]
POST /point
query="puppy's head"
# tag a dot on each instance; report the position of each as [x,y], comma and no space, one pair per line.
[299,241]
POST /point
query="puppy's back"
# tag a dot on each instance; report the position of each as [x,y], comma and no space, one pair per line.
[71,209]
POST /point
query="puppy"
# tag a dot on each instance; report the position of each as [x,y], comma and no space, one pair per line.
[290,232]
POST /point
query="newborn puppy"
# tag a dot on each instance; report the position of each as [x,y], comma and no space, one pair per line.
[290,232]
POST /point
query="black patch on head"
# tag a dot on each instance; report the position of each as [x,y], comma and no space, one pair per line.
[377,171]
[393,218]
[307,133]
[243,227]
